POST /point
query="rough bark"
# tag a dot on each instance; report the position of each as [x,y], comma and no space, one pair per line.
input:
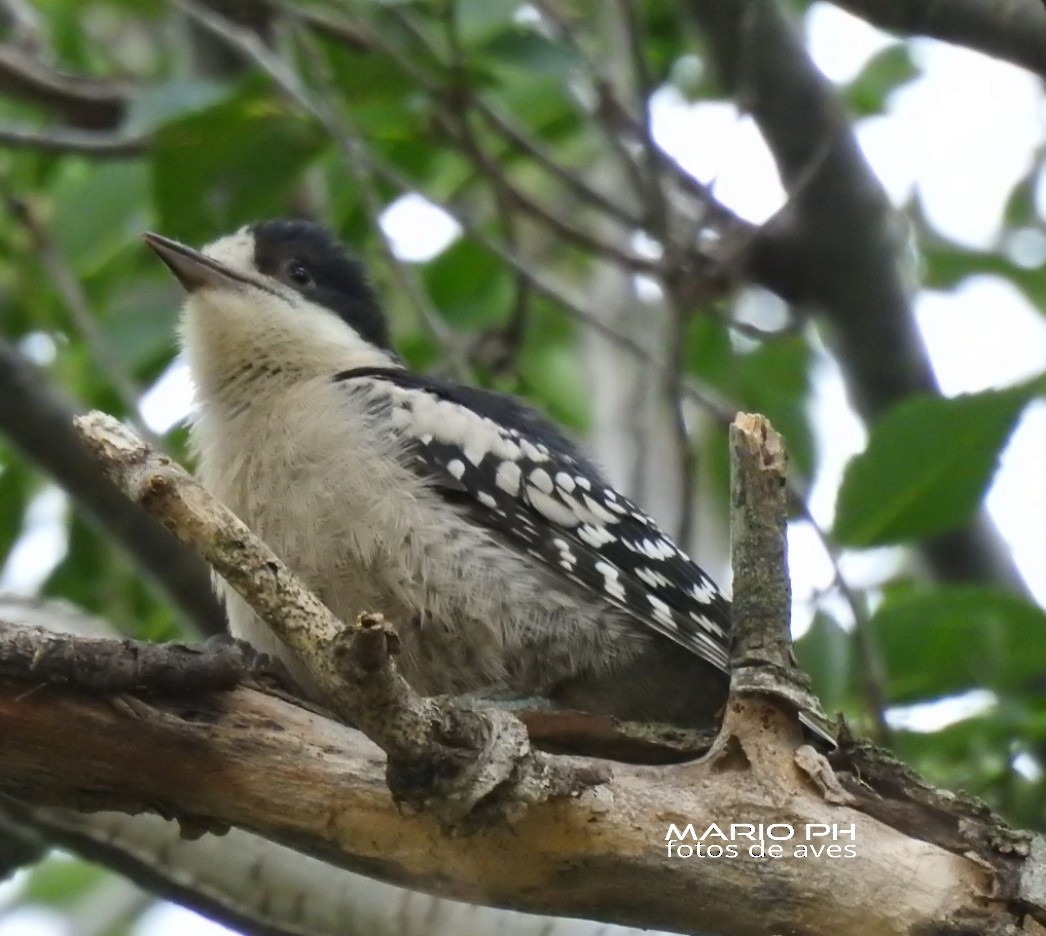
[247,759]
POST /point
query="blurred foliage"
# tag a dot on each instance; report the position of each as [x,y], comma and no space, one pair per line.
[223,146]
[955,443]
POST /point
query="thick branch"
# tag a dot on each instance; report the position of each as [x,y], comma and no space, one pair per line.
[261,763]
[252,884]
[38,421]
[1012,30]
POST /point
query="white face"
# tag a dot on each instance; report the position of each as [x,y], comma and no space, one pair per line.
[235,251]
[262,325]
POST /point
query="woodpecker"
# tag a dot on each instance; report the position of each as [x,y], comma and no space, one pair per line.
[506,561]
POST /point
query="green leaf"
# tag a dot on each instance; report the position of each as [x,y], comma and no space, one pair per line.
[480,19]
[947,266]
[62,881]
[98,210]
[216,169]
[469,286]
[773,379]
[825,651]
[884,72]
[944,640]
[926,467]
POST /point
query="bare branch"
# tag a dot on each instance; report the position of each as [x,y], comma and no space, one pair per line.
[225,759]
[512,133]
[105,666]
[83,101]
[96,144]
[84,320]
[758,509]
[38,421]
[455,124]
[601,854]
[761,658]
[607,108]
[1014,31]
[532,148]
[249,883]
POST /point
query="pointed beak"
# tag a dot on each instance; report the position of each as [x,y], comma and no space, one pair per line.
[193,269]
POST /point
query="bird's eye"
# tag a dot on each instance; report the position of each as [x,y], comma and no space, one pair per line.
[299,274]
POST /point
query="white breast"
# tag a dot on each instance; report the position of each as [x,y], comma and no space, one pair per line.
[315,475]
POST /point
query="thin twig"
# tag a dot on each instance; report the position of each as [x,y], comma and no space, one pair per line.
[455,99]
[97,144]
[496,347]
[78,308]
[503,125]
[606,107]
[455,125]
[532,148]
[653,194]
[441,87]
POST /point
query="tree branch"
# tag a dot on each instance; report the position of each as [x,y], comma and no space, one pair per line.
[104,666]
[97,145]
[38,421]
[761,657]
[922,860]
[1013,30]
[246,882]
[261,763]
[83,101]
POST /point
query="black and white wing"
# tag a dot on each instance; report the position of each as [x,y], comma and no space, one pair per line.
[525,480]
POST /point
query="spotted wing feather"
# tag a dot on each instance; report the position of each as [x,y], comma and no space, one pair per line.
[524,480]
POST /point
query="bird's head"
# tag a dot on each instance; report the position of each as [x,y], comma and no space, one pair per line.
[276,296]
